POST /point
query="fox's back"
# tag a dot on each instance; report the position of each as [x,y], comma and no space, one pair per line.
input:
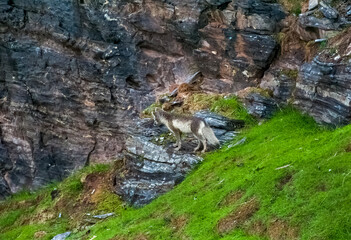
[184,125]
[187,124]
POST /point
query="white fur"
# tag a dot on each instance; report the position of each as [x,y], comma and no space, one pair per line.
[210,136]
[184,127]
[204,133]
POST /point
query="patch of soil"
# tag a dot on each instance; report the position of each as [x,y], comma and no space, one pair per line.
[179,223]
[238,217]
[283,181]
[141,237]
[231,198]
[257,228]
[322,187]
[95,184]
[279,229]
[94,187]
[42,216]
[39,234]
[348,148]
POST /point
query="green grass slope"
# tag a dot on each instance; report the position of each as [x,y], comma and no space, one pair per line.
[290,179]
[242,193]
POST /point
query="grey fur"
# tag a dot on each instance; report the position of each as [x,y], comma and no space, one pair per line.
[178,124]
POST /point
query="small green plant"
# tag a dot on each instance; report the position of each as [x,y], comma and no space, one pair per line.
[147,112]
[291,73]
[164,139]
[323,45]
[292,6]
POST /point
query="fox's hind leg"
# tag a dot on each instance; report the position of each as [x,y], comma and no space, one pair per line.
[205,145]
[198,145]
[202,141]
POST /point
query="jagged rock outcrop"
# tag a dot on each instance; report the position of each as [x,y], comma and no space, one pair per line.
[314,76]
[152,167]
[323,86]
[323,90]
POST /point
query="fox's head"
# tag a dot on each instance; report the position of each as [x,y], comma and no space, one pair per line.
[156,116]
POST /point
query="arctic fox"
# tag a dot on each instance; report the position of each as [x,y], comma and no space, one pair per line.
[178,124]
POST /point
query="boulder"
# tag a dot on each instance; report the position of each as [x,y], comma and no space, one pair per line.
[61,236]
[323,91]
[258,105]
[151,170]
[312,4]
[328,11]
[218,121]
[152,167]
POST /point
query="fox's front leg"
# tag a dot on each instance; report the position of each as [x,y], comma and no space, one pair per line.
[178,144]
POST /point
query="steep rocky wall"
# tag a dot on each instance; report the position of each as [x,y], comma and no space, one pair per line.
[313,71]
[75,73]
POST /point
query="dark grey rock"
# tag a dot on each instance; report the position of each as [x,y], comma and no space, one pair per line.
[76,74]
[259,106]
[313,22]
[228,136]
[323,91]
[4,188]
[280,84]
[328,11]
[348,11]
[152,170]
[219,121]
[219,132]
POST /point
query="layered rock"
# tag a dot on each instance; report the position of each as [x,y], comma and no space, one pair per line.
[323,90]
[74,73]
[320,86]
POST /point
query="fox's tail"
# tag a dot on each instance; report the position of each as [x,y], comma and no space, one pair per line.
[210,136]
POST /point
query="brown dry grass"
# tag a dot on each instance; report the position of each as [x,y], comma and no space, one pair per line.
[179,223]
[279,229]
[40,234]
[342,42]
[141,237]
[257,228]
[238,217]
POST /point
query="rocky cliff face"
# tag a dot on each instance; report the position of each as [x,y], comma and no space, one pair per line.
[75,74]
